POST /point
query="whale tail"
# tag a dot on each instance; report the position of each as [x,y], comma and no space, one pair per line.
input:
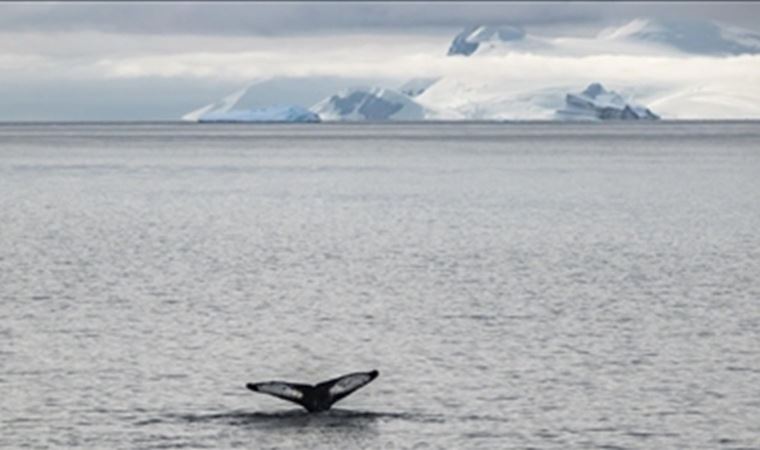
[319,397]
[341,387]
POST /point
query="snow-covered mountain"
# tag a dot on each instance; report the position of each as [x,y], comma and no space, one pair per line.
[458,99]
[674,68]
[283,113]
[688,36]
[597,103]
[416,86]
[369,103]
[637,37]
[266,94]
[221,106]
[468,41]
[715,100]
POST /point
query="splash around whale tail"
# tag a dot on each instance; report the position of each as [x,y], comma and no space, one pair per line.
[319,397]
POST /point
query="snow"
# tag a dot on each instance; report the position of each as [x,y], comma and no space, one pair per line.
[416,86]
[265,93]
[675,68]
[490,97]
[688,36]
[597,103]
[641,36]
[468,41]
[678,69]
[283,113]
[369,103]
[222,105]
[708,101]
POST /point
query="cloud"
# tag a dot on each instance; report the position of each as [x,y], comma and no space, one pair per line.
[98,55]
[396,56]
[388,64]
[294,18]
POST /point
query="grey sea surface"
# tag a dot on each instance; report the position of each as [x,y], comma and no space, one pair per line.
[517,285]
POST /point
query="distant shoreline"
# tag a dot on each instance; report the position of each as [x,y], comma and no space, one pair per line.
[382,123]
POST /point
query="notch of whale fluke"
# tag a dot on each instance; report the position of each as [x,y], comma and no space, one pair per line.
[319,397]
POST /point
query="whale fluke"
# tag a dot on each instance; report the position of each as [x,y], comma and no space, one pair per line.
[318,397]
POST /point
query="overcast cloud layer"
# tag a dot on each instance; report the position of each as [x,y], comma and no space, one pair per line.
[103,59]
[280,18]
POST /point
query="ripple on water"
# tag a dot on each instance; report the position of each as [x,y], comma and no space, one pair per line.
[516,288]
[293,418]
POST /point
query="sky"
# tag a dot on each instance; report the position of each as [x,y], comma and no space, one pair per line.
[157,61]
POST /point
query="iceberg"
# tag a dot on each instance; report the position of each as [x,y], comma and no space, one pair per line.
[285,113]
[597,103]
[265,93]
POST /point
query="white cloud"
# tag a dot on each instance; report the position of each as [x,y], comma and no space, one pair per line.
[397,63]
[102,55]
[95,55]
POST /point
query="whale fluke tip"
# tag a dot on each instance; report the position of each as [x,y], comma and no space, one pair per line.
[318,397]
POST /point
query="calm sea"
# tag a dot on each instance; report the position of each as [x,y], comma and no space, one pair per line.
[549,286]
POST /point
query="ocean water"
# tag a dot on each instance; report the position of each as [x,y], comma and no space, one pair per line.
[547,286]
